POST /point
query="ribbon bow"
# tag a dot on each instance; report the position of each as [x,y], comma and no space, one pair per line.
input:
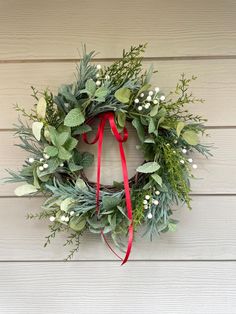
[104,117]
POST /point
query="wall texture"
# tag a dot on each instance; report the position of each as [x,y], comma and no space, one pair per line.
[191,271]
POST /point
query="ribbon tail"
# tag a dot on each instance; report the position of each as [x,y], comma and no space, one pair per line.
[128,203]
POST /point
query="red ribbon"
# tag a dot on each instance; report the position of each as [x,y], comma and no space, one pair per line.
[99,138]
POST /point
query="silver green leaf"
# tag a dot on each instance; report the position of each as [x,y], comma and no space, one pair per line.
[148,167]
[74,118]
[25,189]
[190,137]
[179,127]
[123,95]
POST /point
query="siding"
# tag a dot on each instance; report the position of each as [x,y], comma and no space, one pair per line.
[190,271]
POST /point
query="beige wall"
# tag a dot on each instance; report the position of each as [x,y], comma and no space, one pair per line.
[190,271]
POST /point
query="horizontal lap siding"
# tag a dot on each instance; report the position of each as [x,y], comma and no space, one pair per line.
[140,287]
[55,29]
[189,271]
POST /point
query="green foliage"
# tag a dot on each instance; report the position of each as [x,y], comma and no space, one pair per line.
[148,167]
[74,118]
[63,143]
[123,95]
[126,68]
[167,132]
[190,137]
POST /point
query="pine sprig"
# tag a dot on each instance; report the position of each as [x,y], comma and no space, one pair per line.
[128,67]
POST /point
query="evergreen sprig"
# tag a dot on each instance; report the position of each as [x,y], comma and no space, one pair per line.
[167,131]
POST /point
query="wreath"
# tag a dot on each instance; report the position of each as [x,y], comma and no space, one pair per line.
[115,94]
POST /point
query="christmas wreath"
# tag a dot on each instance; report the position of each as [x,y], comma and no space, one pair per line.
[113,95]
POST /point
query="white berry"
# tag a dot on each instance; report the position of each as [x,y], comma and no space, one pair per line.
[41,168]
[97,75]
[142,94]
[41,159]
[62,165]
[98,83]
[162,98]
[52,218]
[147,105]
[107,77]
[150,93]
[72,213]
[149,98]
[194,166]
[155,202]
[184,150]
[190,160]
[45,166]
[63,218]
[175,141]
[145,206]
[136,100]
[157,89]
[181,161]
[149,216]
[147,197]
[145,202]
[67,219]
[157,192]
[155,101]
[99,66]
[140,108]
[46,156]
[31,160]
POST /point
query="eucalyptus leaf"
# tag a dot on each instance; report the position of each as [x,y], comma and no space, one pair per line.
[66,203]
[52,151]
[157,178]
[148,167]
[90,87]
[179,127]
[63,153]
[86,160]
[162,112]
[41,108]
[73,167]
[70,144]
[154,111]
[190,137]
[121,116]
[123,95]
[53,135]
[110,202]
[144,88]
[84,128]
[36,129]
[25,189]
[62,138]
[74,118]
[101,92]
[151,126]
[81,184]
[77,223]
[139,128]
